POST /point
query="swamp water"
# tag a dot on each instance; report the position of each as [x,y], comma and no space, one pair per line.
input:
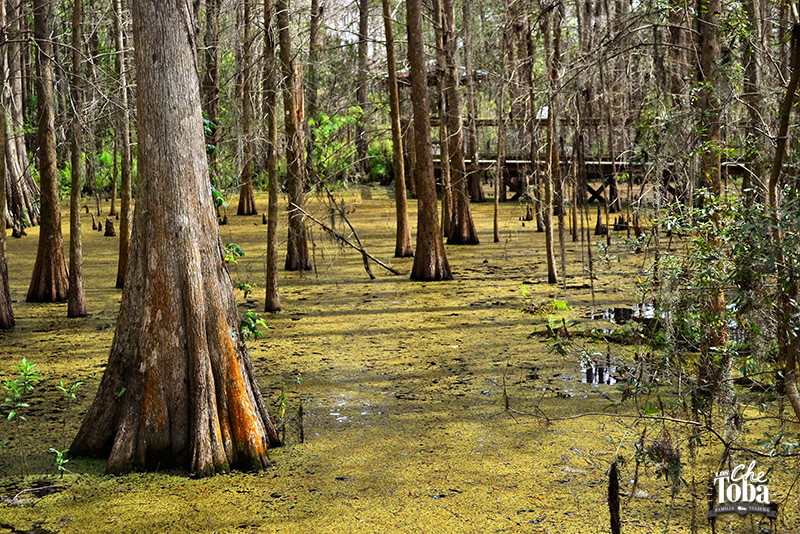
[402,385]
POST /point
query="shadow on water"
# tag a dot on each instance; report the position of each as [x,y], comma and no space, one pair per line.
[597,371]
[621,315]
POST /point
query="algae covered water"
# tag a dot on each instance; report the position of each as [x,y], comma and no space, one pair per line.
[426,407]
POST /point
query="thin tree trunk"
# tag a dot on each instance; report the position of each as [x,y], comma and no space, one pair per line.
[211,77]
[362,145]
[430,260]
[247,202]
[297,257]
[312,79]
[462,229]
[555,141]
[714,366]
[124,133]
[474,177]
[788,341]
[49,282]
[554,167]
[179,389]
[76,305]
[402,247]
[502,140]
[273,297]
[533,127]
[411,152]
[445,171]
[21,190]
[91,122]
[6,311]
[752,188]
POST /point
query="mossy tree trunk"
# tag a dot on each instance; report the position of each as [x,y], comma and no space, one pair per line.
[179,388]
[76,304]
[430,260]
[297,257]
[49,282]
[273,298]
[402,247]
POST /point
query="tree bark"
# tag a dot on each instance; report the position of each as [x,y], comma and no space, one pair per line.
[297,258]
[430,260]
[273,297]
[462,228]
[76,304]
[362,145]
[6,311]
[402,248]
[247,202]
[49,282]
[179,388]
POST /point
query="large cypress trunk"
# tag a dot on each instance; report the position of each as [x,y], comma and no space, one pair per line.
[49,281]
[430,261]
[179,388]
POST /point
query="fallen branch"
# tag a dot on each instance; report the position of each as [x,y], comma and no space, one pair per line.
[339,237]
